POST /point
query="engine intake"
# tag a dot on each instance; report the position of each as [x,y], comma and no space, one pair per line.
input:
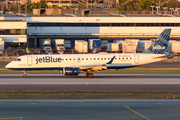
[71,71]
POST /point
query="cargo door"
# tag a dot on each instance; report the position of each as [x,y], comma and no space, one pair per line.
[136,58]
[29,60]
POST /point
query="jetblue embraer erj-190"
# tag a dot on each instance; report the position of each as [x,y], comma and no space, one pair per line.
[73,64]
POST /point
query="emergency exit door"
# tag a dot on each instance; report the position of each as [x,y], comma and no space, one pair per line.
[136,58]
[29,60]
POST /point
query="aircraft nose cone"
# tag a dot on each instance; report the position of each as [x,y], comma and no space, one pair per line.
[8,66]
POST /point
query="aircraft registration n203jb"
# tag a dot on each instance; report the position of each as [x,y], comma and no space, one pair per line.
[74,64]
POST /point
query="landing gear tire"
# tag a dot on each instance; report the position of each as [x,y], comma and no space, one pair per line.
[24,75]
[90,75]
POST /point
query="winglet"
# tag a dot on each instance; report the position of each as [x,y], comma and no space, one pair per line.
[111,60]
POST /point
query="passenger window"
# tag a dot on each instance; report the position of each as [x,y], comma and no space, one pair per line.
[69,59]
[86,58]
[119,58]
[123,58]
[90,58]
[18,59]
[130,58]
[66,59]
[126,58]
[98,58]
[104,58]
[108,58]
[101,58]
[74,58]
[94,58]
[115,58]
[82,58]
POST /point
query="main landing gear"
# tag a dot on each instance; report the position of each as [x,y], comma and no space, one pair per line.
[24,73]
[90,75]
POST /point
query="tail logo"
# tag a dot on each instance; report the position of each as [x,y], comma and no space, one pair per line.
[159,47]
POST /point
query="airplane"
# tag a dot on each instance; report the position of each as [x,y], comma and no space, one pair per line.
[69,15]
[74,64]
[117,15]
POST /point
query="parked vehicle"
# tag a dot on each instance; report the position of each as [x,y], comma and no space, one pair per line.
[94,45]
[19,52]
[48,51]
[60,45]
[47,45]
[9,55]
[38,51]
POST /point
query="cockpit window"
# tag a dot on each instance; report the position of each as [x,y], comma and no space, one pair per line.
[17,59]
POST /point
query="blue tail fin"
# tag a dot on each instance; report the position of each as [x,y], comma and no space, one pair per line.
[161,44]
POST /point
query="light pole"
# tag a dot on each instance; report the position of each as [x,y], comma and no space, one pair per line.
[172,9]
[157,9]
[152,8]
[177,9]
[164,9]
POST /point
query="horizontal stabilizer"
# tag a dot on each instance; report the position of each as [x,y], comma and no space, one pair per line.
[165,56]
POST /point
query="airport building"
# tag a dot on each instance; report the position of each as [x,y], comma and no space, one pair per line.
[13,31]
[84,28]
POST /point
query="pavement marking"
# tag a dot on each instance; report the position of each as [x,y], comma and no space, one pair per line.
[33,103]
[38,118]
[136,112]
[159,103]
[10,118]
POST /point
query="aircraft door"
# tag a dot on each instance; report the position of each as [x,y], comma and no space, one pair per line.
[29,60]
[136,58]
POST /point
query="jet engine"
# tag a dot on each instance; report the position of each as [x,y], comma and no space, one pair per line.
[71,71]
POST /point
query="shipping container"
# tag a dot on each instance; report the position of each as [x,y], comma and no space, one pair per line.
[1,44]
[144,44]
[129,46]
[81,46]
[113,47]
[175,46]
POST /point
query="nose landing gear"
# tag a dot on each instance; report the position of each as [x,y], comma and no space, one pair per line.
[24,73]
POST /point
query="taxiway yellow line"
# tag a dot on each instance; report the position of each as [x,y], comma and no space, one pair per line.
[10,118]
[136,112]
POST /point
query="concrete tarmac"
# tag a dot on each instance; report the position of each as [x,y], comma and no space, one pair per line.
[90,109]
[100,81]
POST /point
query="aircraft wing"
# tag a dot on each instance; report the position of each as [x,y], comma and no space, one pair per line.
[93,67]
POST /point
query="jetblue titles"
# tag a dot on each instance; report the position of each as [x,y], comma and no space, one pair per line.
[47,59]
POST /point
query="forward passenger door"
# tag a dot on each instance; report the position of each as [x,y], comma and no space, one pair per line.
[136,58]
[29,60]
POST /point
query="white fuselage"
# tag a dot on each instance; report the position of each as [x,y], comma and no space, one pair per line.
[56,61]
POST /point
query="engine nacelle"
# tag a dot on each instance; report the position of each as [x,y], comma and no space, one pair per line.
[71,71]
